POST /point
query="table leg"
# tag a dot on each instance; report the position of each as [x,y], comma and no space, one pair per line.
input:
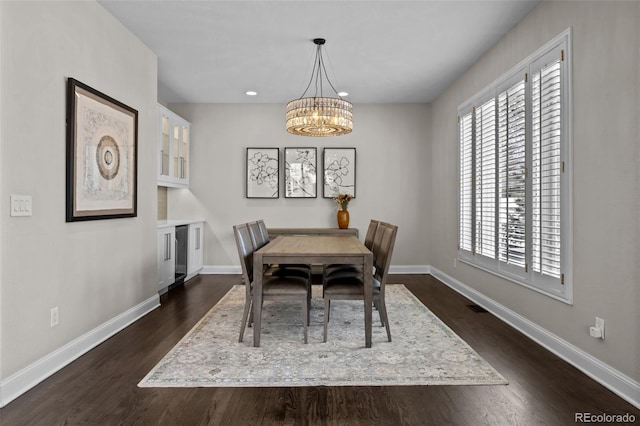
[257,297]
[368,298]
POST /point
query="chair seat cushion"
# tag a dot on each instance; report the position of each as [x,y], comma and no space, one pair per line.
[295,265]
[330,270]
[348,286]
[343,273]
[278,271]
[284,285]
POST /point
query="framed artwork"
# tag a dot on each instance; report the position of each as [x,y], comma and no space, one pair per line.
[339,168]
[300,173]
[263,168]
[102,156]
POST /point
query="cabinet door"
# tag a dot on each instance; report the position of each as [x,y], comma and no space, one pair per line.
[166,257]
[180,150]
[174,137]
[195,257]
[164,146]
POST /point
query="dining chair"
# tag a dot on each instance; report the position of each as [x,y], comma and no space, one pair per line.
[260,237]
[374,239]
[334,269]
[260,234]
[274,287]
[351,287]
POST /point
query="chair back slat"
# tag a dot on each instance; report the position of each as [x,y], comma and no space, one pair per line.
[377,243]
[263,230]
[371,233]
[382,261]
[245,251]
[256,235]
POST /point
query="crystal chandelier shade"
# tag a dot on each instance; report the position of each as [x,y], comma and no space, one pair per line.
[319,115]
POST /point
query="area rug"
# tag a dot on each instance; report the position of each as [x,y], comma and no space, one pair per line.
[424,351]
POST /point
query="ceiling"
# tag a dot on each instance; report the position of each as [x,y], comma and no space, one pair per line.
[378,51]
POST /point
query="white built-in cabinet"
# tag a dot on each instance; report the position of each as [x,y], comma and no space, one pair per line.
[168,246]
[195,253]
[174,133]
[166,257]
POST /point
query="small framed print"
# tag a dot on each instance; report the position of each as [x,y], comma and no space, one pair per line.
[102,155]
[263,168]
[339,172]
[300,173]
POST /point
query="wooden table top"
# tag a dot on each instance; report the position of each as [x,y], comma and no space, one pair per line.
[315,245]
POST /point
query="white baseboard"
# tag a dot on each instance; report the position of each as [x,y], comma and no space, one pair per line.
[397,269]
[622,385]
[221,270]
[23,380]
[409,269]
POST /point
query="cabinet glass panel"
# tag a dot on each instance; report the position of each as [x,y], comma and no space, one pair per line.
[184,152]
[165,146]
[176,150]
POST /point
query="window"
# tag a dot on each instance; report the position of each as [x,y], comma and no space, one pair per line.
[514,155]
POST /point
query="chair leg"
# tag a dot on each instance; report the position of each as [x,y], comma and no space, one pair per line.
[309,305]
[383,314]
[245,315]
[376,304]
[250,317]
[305,319]
[327,308]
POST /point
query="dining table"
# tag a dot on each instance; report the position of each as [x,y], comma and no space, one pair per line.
[313,249]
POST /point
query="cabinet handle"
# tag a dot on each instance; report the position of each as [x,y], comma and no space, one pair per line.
[167,246]
[197,238]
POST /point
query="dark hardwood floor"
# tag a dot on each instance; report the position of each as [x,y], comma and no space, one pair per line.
[100,388]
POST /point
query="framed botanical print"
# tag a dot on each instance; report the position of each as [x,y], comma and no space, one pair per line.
[102,155]
[300,173]
[263,168]
[339,172]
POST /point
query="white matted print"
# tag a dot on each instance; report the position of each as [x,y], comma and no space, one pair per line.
[263,167]
[339,172]
[300,173]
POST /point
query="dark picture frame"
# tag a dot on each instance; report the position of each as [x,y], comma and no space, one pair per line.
[262,173]
[300,172]
[339,172]
[102,156]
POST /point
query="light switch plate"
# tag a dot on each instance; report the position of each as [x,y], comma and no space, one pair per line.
[21,205]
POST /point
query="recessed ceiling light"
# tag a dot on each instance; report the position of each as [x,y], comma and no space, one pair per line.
[251,93]
[343,94]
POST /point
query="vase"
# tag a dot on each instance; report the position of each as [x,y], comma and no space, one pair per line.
[343,219]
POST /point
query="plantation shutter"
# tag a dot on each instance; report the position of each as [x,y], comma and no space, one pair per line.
[512,175]
[485,122]
[466,176]
[515,174]
[546,168]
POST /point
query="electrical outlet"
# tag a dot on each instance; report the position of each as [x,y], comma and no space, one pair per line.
[54,316]
[455,262]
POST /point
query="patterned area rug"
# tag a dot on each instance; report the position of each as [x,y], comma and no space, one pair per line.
[424,351]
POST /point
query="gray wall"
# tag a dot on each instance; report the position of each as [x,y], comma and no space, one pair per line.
[391,144]
[605,177]
[94,270]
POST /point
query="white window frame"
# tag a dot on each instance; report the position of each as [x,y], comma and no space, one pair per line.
[559,288]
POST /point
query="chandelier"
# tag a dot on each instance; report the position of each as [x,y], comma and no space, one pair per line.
[319,115]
